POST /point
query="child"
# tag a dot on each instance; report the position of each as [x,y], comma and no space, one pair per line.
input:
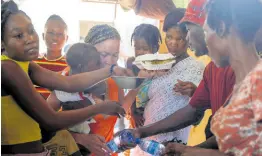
[55,37]
[146,39]
[81,57]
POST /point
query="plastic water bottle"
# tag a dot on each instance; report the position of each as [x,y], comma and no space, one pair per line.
[152,147]
[124,136]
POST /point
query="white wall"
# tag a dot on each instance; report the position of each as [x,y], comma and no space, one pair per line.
[73,11]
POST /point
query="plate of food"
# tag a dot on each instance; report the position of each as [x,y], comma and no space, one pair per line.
[155,61]
[128,82]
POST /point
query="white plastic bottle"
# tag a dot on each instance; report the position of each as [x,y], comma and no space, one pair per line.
[152,147]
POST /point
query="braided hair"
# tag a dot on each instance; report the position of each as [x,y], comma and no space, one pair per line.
[7,9]
[100,33]
[56,18]
[150,34]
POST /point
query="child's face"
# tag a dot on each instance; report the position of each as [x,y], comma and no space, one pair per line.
[141,47]
[20,41]
[55,35]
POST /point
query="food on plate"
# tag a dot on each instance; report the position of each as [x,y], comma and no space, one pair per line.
[155,61]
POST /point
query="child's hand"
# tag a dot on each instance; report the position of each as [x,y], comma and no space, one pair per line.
[111,108]
[94,143]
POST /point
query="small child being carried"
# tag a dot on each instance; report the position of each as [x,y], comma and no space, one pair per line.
[82,57]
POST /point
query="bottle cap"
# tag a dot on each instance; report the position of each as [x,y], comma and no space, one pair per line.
[138,141]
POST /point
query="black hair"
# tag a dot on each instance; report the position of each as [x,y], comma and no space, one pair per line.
[173,18]
[81,54]
[7,9]
[150,34]
[244,15]
[56,18]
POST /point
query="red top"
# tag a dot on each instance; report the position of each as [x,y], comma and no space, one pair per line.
[57,65]
[213,90]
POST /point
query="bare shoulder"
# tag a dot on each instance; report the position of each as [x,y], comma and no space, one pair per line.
[197,64]
[8,66]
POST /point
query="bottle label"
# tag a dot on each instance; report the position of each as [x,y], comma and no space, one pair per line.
[127,137]
[152,148]
[112,146]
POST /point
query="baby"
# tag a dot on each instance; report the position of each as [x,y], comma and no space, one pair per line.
[82,57]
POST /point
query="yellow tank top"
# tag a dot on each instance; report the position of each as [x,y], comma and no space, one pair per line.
[204,59]
[16,126]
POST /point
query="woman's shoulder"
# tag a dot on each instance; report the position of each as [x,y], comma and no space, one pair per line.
[10,69]
[255,75]
[9,65]
[252,83]
[194,62]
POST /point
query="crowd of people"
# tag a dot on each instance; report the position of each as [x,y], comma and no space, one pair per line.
[68,105]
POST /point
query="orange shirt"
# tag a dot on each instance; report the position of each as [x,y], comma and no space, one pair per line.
[238,126]
[104,126]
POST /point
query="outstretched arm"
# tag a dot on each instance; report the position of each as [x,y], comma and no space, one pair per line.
[18,84]
[180,119]
[75,83]
[210,143]
[179,149]
[53,101]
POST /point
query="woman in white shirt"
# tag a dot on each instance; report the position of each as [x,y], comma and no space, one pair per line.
[164,101]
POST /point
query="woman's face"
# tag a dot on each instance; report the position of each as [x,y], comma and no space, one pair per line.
[109,51]
[141,47]
[20,41]
[175,41]
[217,46]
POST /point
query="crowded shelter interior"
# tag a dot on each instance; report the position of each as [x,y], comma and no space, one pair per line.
[131,77]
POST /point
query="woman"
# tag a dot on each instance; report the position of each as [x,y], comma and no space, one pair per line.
[163,101]
[106,39]
[231,27]
[236,35]
[24,109]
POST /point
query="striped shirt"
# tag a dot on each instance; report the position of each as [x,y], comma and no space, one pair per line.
[57,65]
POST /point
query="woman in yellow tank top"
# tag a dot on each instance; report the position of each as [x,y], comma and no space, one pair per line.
[23,109]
